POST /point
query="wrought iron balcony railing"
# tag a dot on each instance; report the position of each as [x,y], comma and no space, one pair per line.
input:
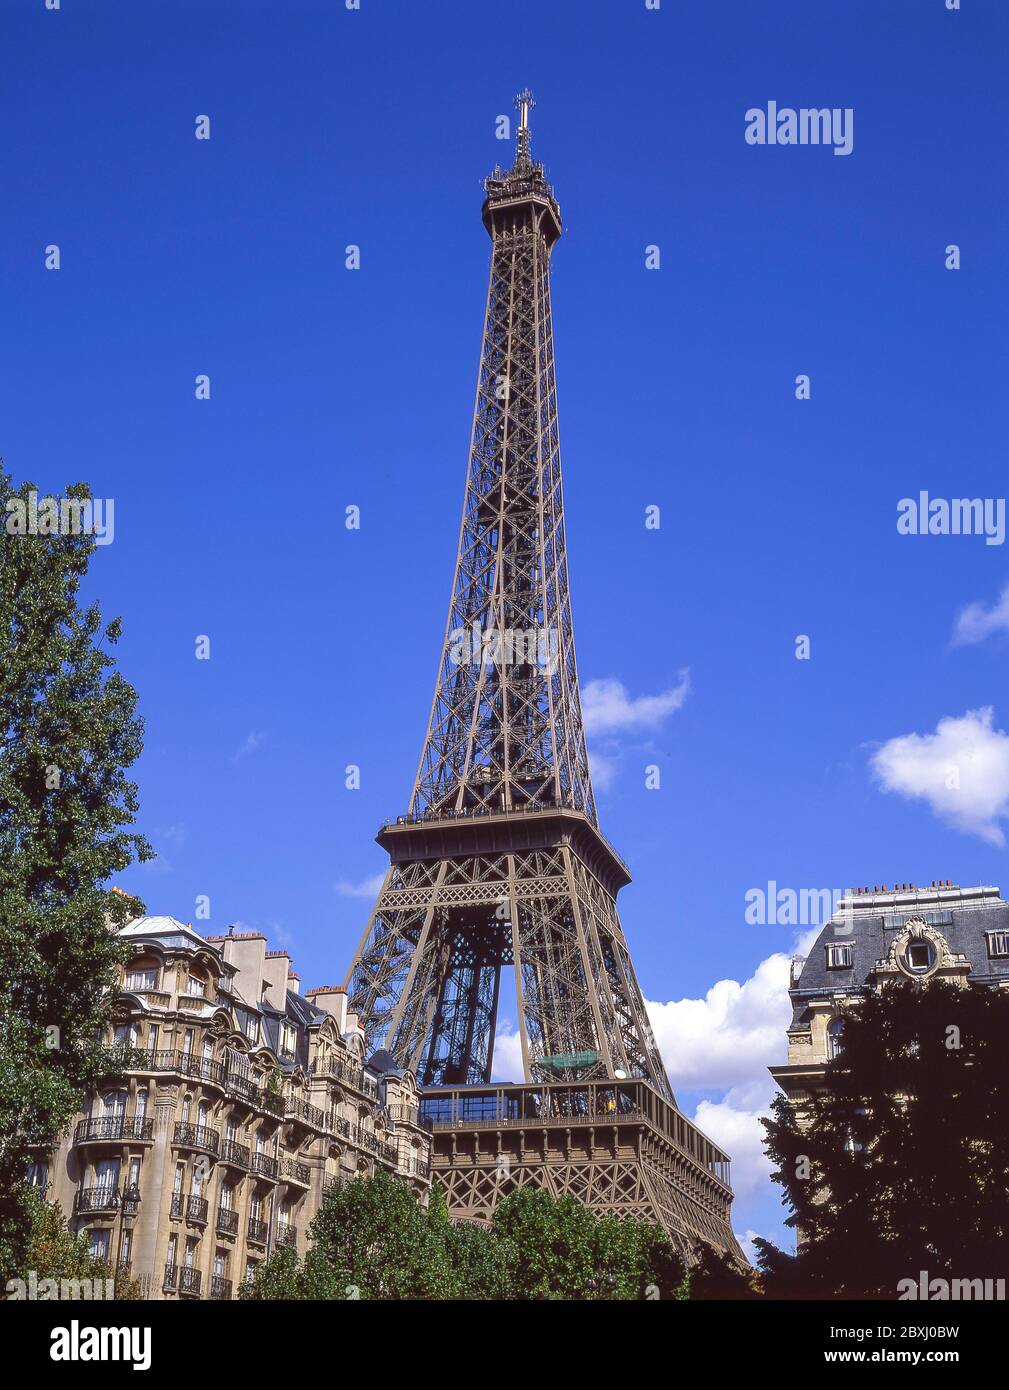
[257,1231]
[171,1275]
[220,1287]
[265,1166]
[236,1154]
[302,1110]
[109,1128]
[287,1235]
[370,1141]
[185,1063]
[273,1101]
[299,1172]
[188,1136]
[227,1221]
[190,1207]
[89,1200]
[189,1279]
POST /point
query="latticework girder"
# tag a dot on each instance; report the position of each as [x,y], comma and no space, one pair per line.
[499,865]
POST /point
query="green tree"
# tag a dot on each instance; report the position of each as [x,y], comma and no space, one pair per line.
[68,732]
[904,1165]
[560,1249]
[53,1252]
[376,1241]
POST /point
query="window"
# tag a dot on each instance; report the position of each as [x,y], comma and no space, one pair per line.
[920,956]
[835,1037]
[252,1028]
[134,1172]
[173,1245]
[196,986]
[124,1035]
[38,1174]
[287,1038]
[187,1042]
[147,978]
[107,1174]
[250,1270]
[152,1038]
[98,1245]
[839,956]
[998,944]
[125,1247]
[141,1104]
[115,1105]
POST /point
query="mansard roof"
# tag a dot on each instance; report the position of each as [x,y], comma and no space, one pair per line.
[868,922]
[169,933]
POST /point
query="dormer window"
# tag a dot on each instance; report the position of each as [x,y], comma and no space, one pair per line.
[287,1040]
[920,956]
[196,986]
[998,944]
[839,955]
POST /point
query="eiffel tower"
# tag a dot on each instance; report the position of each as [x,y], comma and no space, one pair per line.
[499,872]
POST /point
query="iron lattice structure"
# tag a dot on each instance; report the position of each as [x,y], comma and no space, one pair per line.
[500,863]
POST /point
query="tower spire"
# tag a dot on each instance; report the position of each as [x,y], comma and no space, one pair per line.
[525,101]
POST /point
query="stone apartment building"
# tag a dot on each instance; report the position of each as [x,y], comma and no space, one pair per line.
[249,1100]
[878,936]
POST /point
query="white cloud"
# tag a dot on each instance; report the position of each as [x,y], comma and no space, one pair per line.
[602,768]
[367,888]
[725,1043]
[975,622]
[728,1038]
[734,1125]
[253,742]
[961,771]
[507,1064]
[608,708]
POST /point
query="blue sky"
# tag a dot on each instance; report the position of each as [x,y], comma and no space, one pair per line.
[677,388]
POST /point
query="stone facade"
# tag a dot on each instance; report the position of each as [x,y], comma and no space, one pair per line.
[878,936]
[249,1100]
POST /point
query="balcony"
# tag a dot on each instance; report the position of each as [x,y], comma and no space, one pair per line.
[227,1221]
[90,1201]
[367,1139]
[171,1276]
[296,1172]
[242,1088]
[257,1231]
[188,1136]
[192,1208]
[264,1166]
[184,1063]
[287,1235]
[115,1129]
[234,1154]
[220,1287]
[311,1115]
[189,1280]
[273,1101]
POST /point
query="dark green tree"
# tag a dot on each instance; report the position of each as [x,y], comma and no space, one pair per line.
[53,1252]
[904,1165]
[68,732]
[373,1240]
